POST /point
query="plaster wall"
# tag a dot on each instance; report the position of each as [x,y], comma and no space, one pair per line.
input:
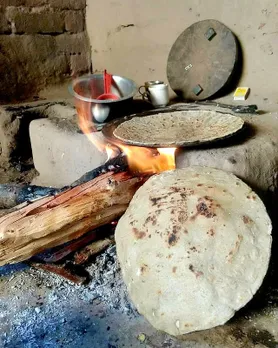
[133,38]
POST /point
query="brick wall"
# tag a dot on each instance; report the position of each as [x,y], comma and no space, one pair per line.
[42,42]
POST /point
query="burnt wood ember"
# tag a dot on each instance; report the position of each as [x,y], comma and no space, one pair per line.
[64,251]
[70,248]
[96,247]
[13,194]
[66,271]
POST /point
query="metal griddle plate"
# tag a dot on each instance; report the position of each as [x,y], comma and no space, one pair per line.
[202,60]
[108,129]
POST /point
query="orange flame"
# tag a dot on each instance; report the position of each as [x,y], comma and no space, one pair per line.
[87,126]
[149,161]
[140,159]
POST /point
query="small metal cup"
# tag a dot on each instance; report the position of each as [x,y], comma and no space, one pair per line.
[156,92]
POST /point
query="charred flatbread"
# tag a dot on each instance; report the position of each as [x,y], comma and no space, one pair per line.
[194,247]
[178,128]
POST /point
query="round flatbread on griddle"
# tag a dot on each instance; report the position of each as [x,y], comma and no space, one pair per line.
[178,128]
[194,247]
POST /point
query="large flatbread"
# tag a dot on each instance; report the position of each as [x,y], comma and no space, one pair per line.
[178,128]
[194,247]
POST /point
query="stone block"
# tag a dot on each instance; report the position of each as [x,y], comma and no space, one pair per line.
[72,43]
[62,154]
[80,63]
[32,23]
[254,158]
[68,4]
[74,21]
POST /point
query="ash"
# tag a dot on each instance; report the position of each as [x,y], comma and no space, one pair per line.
[107,284]
[53,301]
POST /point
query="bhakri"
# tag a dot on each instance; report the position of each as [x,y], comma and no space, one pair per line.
[194,247]
[178,128]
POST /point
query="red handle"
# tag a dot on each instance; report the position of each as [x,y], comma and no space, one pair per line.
[107,82]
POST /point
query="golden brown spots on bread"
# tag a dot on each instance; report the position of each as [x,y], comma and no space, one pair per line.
[197,273]
[246,219]
[144,268]
[211,232]
[174,269]
[138,234]
[151,219]
[204,210]
[235,249]
[172,239]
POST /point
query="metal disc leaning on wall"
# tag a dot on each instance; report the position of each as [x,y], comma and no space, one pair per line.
[202,60]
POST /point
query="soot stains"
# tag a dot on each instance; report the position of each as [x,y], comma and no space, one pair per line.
[138,234]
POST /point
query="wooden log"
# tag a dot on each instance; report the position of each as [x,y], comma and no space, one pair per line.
[56,220]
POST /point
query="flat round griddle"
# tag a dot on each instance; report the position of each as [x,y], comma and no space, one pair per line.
[173,129]
[202,60]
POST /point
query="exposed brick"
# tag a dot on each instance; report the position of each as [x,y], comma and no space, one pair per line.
[4,24]
[68,4]
[5,3]
[36,63]
[80,64]
[74,21]
[31,3]
[34,3]
[72,43]
[31,23]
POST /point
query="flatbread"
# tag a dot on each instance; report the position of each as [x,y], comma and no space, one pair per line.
[194,247]
[178,128]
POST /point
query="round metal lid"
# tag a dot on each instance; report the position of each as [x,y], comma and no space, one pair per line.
[202,60]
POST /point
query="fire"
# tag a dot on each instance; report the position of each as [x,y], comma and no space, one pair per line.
[140,159]
[149,161]
[88,127]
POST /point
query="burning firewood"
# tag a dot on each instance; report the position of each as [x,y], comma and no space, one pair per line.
[55,220]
